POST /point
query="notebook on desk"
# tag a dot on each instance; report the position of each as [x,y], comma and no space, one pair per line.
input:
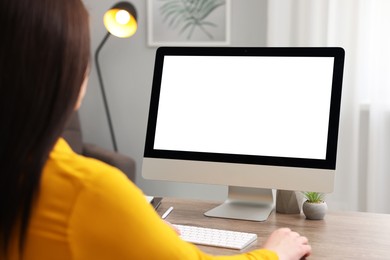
[155,201]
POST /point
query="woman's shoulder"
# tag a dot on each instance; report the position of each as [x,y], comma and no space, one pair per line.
[63,160]
[77,200]
[73,172]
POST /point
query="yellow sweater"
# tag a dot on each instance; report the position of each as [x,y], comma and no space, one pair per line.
[89,210]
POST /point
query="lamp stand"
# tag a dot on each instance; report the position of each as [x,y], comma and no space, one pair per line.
[104,93]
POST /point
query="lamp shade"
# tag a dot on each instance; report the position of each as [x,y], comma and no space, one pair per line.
[121,20]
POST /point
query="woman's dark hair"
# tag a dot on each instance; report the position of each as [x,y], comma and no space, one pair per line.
[44,55]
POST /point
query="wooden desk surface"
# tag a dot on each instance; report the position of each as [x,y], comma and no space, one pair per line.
[341,235]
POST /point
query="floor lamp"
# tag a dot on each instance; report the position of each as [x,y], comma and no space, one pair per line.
[120,21]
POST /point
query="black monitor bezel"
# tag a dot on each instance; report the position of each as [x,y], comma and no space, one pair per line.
[334,118]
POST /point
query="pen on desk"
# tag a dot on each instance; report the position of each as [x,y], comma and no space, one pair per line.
[167,213]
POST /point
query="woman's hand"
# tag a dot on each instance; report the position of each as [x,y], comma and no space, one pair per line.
[289,245]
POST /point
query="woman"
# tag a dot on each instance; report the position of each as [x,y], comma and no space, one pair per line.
[55,204]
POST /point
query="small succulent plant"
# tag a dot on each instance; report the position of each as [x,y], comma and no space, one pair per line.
[313,197]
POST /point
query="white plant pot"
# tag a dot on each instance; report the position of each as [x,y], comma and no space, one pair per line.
[315,211]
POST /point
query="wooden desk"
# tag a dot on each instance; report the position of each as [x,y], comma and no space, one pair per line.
[341,235]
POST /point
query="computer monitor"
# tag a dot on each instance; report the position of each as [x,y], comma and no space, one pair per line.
[254,119]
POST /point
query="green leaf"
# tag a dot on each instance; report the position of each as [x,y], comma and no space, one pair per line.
[313,197]
[189,14]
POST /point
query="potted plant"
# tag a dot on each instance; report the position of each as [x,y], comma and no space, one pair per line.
[314,207]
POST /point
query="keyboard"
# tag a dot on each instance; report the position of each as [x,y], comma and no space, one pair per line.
[216,237]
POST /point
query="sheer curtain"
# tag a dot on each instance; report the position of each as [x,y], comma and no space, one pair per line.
[362,28]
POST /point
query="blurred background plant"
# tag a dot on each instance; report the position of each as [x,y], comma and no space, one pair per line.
[189,15]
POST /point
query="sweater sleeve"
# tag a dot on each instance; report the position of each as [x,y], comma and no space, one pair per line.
[112,220]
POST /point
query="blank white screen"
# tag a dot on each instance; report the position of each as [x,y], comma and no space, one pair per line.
[269,106]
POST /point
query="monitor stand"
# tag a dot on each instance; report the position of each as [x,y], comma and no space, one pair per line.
[245,203]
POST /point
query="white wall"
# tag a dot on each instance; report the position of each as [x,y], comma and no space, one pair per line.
[127,69]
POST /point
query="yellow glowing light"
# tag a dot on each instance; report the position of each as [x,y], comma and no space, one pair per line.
[120,23]
[122,17]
